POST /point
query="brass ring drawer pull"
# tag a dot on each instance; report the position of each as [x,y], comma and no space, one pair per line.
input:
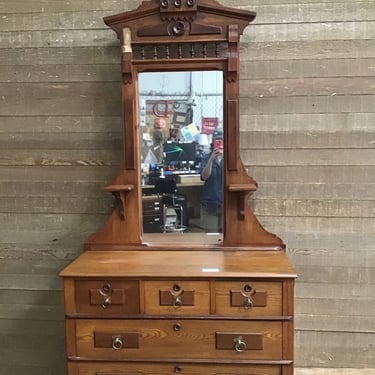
[177,301]
[248,302]
[106,292]
[117,342]
[240,344]
[106,301]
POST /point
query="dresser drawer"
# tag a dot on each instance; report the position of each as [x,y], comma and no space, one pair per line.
[151,204]
[93,368]
[152,224]
[106,297]
[173,339]
[177,297]
[248,298]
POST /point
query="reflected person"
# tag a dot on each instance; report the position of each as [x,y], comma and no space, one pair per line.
[211,209]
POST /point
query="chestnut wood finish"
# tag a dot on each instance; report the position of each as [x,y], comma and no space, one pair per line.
[139,303]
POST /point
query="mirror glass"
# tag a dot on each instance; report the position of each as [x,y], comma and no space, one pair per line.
[181,135]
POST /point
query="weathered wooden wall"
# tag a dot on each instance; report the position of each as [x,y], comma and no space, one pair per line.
[307,123]
[308,126]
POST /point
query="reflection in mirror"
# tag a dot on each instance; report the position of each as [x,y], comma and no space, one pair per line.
[181,133]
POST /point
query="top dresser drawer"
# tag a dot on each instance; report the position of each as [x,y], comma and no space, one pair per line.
[248,298]
[106,297]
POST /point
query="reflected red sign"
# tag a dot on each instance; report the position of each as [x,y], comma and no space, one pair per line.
[209,124]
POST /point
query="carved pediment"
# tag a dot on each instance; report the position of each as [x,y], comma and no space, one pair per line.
[182,19]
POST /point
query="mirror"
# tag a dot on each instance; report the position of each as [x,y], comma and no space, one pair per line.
[180,123]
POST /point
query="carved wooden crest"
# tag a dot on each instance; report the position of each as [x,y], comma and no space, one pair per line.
[179,18]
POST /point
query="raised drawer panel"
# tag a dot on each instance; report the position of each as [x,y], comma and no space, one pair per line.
[177,297]
[173,339]
[107,297]
[171,369]
[248,298]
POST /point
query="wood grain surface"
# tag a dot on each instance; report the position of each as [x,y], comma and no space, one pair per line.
[307,137]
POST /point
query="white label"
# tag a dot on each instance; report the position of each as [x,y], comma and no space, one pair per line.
[210,270]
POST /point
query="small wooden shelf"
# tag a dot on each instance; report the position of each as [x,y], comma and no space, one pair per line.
[243,190]
[120,191]
[242,187]
[117,188]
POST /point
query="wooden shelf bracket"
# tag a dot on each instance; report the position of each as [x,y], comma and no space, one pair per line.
[243,191]
[120,191]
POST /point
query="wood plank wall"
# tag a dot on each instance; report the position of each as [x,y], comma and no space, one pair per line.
[307,137]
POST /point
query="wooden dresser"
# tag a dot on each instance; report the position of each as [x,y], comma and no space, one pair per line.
[152,213]
[192,303]
[190,312]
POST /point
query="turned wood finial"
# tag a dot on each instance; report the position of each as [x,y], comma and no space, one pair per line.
[126,40]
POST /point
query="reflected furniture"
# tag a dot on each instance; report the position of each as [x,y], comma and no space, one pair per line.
[142,303]
[152,213]
[190,188]
[171,199]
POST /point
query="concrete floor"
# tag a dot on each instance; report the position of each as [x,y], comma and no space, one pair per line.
[331,371]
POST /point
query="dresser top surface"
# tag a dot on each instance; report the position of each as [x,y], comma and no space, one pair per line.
[181,263]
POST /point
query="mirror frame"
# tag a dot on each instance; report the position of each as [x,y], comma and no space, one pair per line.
[181,35]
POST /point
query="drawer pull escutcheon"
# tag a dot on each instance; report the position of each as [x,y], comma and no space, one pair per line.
[248,288]
[176,327]
[240,344]
[248,300]
[176,288]
[107,289]
[117,342]
[176,297]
